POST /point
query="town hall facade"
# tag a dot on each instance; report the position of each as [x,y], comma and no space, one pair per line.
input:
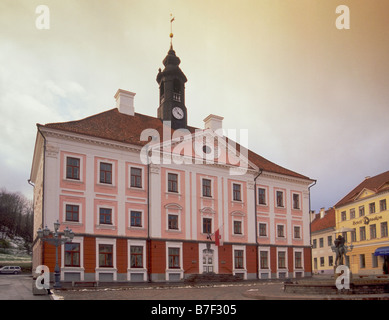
[146,208]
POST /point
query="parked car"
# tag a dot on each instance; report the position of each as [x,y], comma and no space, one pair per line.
[10,270]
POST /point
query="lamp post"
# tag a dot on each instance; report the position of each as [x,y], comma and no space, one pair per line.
[68,236]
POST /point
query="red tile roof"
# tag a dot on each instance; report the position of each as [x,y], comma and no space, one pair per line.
[328,221]
[113,125]
[376,184]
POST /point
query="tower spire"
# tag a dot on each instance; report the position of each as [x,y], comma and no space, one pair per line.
[171,30]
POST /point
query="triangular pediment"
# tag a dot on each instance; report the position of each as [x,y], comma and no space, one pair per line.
[203,147]
[364,193]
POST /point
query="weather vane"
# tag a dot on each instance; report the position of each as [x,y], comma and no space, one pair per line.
[171,29]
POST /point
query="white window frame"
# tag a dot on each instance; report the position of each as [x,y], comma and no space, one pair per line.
[180,270]
[99,269]
[178,182]
[142,227]
[286,269]
[267,230]
[113,163]
[81,158]
[284,226]
[299,200]
[241,192]
[80,208]
[138,243]
[102,225]
[81,268]
[142,177]
[283,199]
[302,269]
[235,270]
[212,187]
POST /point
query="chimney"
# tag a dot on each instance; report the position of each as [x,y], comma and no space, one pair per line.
[322,212]
[125,102]
[213,122]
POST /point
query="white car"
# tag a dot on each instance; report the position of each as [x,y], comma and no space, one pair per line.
[10,270]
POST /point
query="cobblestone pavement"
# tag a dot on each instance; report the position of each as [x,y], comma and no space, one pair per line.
[225,291]
[18,287]
[246,290]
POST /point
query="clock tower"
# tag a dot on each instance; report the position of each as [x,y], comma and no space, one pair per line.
[171,83]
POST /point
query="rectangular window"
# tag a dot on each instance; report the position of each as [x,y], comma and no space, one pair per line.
[207,188]
[353,235]
[352,213]
[281,260]
[296,232]
[105,216]
[321,242]
[174,258]
[136,218]
[383,205]
[280,231]
[136,256]
[362,261]
[238,259]
[280,199]
[106,255]
[362,234]
[343,216]
[136,177]
[237,196]
[262,230]
[372,207]
[262,196]
[321,261]
[72,213]
[314,243]
[207,225]
[105,173]
[329,241]
[361,211]
[330,261]
[172,182]
[72,168]
[237,227]
[298,260]
[264,259]
[296,201]
[374,261]
[173,222]
[72,255]
[384,229]
[373,231]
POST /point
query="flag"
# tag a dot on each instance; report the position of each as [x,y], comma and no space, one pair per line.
[218,237]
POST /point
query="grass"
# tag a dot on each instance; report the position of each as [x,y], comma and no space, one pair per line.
[24,261]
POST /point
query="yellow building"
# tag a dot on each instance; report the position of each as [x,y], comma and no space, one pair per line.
[364,210]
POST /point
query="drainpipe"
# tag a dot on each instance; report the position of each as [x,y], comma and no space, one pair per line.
[43,187]
[148,218]
[310,234]
[256,222]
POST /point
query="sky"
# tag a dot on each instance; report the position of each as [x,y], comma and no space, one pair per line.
[313,97]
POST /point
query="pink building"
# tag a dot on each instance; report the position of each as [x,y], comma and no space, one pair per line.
[154,199]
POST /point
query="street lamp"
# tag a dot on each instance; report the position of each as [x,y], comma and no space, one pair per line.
[68,236]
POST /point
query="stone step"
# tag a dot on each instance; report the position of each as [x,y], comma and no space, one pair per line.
[213,277]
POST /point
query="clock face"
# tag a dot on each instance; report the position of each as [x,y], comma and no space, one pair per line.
[178,113]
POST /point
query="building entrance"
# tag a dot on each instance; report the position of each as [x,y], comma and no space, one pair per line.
[207,261]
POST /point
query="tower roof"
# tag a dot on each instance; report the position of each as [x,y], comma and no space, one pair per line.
[171,63]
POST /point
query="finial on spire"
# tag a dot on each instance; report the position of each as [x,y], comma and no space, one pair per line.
[171,29]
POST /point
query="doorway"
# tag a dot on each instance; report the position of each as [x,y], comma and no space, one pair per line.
[208,261]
